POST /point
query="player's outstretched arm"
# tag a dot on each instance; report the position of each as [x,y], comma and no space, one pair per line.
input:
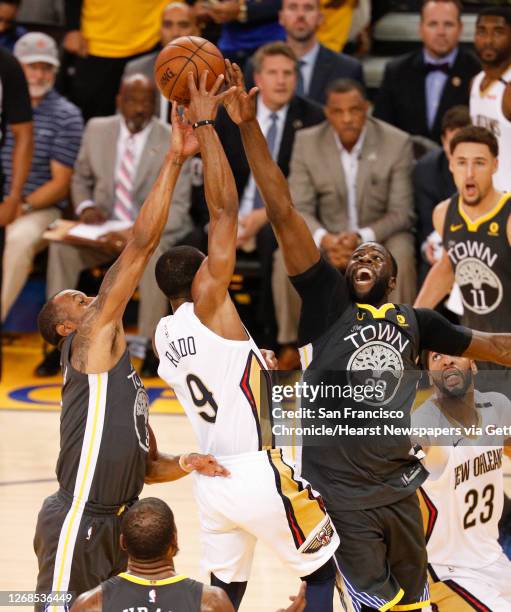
[294,237]
[124,275]
[161,467]
[210,287]
[91,601]
[490,347]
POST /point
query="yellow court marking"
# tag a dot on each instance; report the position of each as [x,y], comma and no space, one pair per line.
[21,390]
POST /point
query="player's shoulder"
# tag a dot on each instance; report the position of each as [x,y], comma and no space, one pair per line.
[492,399]
[91,601]
[439,214]
[426,413]
[215,599]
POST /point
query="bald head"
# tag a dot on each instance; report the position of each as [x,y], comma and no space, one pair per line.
[136,101]
[177,20]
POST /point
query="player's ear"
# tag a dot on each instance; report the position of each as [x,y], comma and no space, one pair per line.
[122,542]
[473,366]
[65,328]
[392,284]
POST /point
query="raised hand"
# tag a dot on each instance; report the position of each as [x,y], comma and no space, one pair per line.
[183,142]
[299,601]
[240,105]
[204,104]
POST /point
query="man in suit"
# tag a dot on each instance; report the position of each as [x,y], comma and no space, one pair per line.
[351,179]
[318,65]
[280,114]
[419,87]
[433,183]
[177,20]
[119,161]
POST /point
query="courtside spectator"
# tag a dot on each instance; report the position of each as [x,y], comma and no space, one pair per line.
[105,35]
[317,65]
[117,165]
[351,179]
[419,87]
[58,130]
[10,32]
[335,28]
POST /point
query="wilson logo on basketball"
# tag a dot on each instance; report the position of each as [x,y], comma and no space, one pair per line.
[167,76]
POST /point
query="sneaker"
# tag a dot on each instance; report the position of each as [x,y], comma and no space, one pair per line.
[50,365]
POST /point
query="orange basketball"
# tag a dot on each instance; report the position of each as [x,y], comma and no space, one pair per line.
[178,58]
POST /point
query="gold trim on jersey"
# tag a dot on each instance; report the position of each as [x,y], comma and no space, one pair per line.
[256,387]
[148,582]
[378,313]
[413,606]
[473,226]
[399,595]
[304,512]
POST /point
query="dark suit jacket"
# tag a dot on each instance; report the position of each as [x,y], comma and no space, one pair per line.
[402,98]
[301,114]
[329,67]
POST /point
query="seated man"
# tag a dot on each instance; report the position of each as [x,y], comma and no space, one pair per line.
[119,161]
[58,130]
[462,499]
[351,178]
[149,535]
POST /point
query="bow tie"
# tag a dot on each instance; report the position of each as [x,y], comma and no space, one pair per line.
[429,67]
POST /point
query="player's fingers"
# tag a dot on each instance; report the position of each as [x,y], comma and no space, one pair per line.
[228,93]
[191,83]
[218,83]
[202,82]
[253,92]
[175,114]
[228,73]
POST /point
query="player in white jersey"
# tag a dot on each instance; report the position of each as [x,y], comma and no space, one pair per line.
[490,95]
[219,376]
[462,499]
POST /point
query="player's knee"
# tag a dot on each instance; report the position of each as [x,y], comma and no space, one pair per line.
[234,590]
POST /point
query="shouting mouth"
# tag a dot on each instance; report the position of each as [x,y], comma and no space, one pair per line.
[363,276]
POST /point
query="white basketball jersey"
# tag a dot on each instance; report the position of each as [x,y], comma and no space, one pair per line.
[463,506]
[218,383]
[486,111]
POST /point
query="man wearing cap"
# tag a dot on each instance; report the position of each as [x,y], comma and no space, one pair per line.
[58,127]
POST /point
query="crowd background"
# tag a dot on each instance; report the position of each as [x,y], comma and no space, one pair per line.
[358,101]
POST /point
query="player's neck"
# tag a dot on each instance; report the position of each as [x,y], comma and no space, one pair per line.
[157,569]
[175,304]
[460,409]
[493,73]
[486,205]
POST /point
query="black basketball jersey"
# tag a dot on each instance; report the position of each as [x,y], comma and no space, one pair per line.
[345,343]
[479,253]
[125,593]
[104,438]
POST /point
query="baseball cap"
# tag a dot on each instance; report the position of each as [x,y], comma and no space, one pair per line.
[36,47]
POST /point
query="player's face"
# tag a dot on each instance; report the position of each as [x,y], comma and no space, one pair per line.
[40,78]
[300,19]
[492,40]
[136,103]
[472,166]
[369,273]
[440,27]
[347,113]
[177,21]
[276,81]
[452,376]
[74,304]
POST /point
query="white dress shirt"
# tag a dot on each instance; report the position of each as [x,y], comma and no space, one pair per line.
[139,142]
[349,162]
[307,63]
[435,83]
[264,118]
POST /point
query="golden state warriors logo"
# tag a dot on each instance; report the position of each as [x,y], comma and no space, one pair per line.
[140,414]
[481,288]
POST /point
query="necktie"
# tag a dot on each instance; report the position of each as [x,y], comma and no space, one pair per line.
[429,67]
[271,137]
[300,84]
[123,206]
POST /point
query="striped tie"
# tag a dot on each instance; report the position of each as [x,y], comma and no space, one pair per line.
[123,207]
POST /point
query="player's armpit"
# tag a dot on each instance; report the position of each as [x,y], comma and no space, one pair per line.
[91,601]
[490,347]
[215,599]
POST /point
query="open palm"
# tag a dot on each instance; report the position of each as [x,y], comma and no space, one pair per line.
[240,105]
[184,141]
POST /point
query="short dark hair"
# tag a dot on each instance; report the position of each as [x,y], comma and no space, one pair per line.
[496,11]
[176,269]
[148,528]
[477,134]
[455,118]
[345,86]
[270,49]
[457,4]
[15,3]
[48,318]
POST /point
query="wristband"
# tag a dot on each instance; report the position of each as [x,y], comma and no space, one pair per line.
[204,122]
[183,466]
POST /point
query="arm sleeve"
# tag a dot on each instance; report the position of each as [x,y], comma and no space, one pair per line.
[324,296]
[440,335]
[15,99]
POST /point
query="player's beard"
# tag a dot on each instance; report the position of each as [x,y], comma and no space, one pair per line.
[375,295]
[456,391]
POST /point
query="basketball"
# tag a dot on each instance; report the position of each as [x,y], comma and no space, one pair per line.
[178,58]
